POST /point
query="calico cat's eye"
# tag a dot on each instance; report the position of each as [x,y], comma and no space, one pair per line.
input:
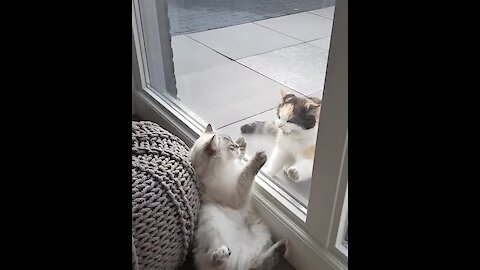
[232,147]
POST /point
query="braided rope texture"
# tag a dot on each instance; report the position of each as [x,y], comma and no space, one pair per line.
[165,198]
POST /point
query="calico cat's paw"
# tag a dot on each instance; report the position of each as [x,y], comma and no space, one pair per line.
[248,128]
[293,174]
[221,255]
[241,144]
[261,157]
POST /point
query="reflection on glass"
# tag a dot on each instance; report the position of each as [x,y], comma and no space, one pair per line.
[233,58]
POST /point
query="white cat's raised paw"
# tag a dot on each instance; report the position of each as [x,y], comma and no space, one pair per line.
[261,157]
[221,255]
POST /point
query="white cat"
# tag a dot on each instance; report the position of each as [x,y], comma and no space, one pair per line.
[230,235]
[296,134]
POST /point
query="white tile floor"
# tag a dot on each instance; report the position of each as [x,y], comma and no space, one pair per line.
[191,56]
[325,12]
[304,26]
[243,40]
[321,42]
[233,75]
[301,67]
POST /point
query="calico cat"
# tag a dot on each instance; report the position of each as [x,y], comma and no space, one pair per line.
[296,132]
[230,235]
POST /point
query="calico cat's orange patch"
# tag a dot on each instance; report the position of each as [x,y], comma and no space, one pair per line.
[309,152]
[287,109]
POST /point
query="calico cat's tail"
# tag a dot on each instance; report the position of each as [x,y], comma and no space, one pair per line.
[267,127]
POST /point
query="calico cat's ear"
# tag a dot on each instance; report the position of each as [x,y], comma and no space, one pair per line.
[209,129]
[313,105]
[315,100]
[285,95]
[211,146]
[310,104]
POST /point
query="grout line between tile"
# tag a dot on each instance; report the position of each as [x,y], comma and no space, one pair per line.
[220,27]
[271,50]
[310,11]
[320,15]
[294,90]
[233,60]
[316,39]
[234,122]
[216,28]
[303,42]
[229,58]
[276,31]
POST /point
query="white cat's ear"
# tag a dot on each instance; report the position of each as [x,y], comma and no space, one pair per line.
[211,146]
[209,129]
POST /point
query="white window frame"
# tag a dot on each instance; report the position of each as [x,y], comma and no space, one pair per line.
[342,227]
[313,234]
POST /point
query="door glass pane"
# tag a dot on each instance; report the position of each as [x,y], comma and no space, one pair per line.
[256,69]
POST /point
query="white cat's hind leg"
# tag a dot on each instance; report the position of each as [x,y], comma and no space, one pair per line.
[220,257]
[211,251]
[216,259]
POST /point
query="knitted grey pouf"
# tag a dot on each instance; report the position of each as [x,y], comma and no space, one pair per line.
[166,198]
